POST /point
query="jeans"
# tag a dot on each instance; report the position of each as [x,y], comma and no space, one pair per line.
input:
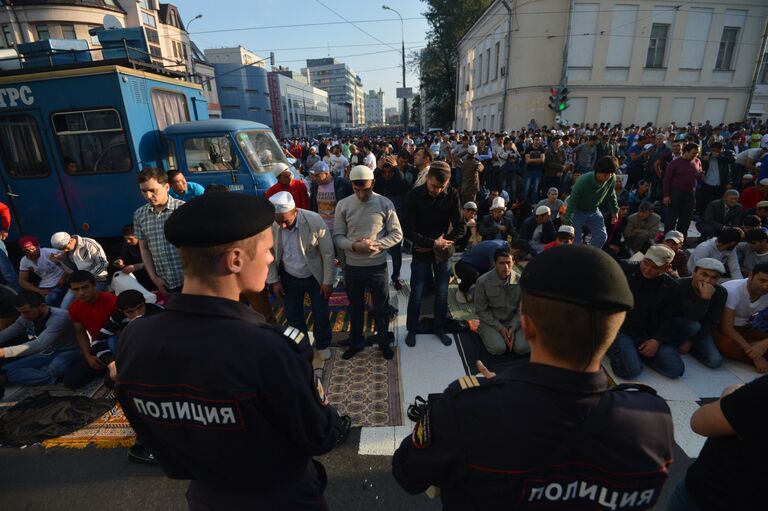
[295,289]
[704,350]
[396,252]
[626,360]
[42,368]
[375,279]
[596,223]
[56,295]
[419,271]
[7,270]
[681,500]
[531,185]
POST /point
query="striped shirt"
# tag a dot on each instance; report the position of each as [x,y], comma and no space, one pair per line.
[148,225]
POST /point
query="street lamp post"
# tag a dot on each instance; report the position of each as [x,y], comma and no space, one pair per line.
[402,31]
[191,53]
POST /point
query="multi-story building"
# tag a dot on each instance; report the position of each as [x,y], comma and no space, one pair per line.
[241,79]
[634,62]
[298,108]
[374,108]
[343,88]
[759,104]
[392,115]
[168,42]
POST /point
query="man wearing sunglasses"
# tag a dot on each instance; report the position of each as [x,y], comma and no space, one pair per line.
[365,226]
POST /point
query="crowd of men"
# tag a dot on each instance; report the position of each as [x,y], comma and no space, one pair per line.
[476,206]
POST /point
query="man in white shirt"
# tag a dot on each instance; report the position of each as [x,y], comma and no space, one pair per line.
[369,160]
[720,248]
[736,338]
[338,162]
[303,264]
[38,260]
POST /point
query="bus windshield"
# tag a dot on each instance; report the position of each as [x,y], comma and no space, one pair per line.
[261,150]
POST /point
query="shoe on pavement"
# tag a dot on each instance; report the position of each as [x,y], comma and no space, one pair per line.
[324,353]
[410,339]
[444,338]
[352,351]
[141,454]
[461,297]
[387,351]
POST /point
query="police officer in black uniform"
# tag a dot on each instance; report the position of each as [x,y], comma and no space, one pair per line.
[219,396]
[549,434]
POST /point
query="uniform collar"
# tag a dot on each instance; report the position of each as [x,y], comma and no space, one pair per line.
[212,306]
[558,378]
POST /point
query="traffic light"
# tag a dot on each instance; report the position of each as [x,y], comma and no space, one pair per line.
[562,102]
[554,98]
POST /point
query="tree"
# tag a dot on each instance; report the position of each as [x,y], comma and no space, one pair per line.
[449,20]
[416,111]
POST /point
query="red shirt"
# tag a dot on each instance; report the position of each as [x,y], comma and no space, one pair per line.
[93,316]
[5,217]
[681,174]
[550,245]
[297,188]
[750,197]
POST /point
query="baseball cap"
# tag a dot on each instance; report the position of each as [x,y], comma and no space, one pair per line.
[674,235]
[319,167]
[660,255]
[470,205]
[709,263]
[543,210]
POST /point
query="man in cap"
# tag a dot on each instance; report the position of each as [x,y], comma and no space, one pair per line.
[471,237]
[497,225]
[432,222]
[751,195]
[326,191]
[474,263]
[538,229]
[552,201]
[497,305]
[312,158]
[51,277]
[674,240]
[565,236]
[586,196]
[390,182]
[365,226]
[220,397]
[720,213]
[470,175]
[554,442]
[182,189]
[642,227]
[73,253]
[303,264]
[286,183]
[721,248]
[640,337]
[160,258]
[700,301]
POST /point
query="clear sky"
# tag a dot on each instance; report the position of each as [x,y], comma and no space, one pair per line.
[251,25]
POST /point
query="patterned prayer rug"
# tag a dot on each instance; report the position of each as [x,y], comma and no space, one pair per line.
[367,387]
[108,431]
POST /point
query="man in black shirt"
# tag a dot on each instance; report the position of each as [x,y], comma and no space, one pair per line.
[700,300]
[730,470]
[640,337]
[390,182]
[432,221]
[549,434]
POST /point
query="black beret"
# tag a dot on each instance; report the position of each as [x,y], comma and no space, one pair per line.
[218,218]
[578,274]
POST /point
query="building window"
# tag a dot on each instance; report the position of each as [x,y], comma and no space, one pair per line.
[152,36]
[42,32]
[92,141]
[95,38]
[148,19]
[206,154]
[20,148]
[479,70]
[487,65]
[147,4]
[155,51]
[6,38]
[496,52]
[170,108]
[727,47]
[657,45]
[764,70]
[68,32]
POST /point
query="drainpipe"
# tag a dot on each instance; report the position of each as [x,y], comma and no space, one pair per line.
[503,116]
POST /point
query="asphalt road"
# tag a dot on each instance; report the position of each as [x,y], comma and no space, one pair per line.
[96,479]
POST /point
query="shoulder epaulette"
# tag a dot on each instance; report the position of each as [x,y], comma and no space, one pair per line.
[295,337]
[470,382]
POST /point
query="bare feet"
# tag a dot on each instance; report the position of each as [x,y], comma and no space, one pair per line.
[761,364]
[685,347]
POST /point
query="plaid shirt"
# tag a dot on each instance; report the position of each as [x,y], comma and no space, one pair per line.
[149,226]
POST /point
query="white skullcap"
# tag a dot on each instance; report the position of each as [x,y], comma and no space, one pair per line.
[280,167]
[472,149]
[283,202]
[60,239]
[498,203]
[543,210]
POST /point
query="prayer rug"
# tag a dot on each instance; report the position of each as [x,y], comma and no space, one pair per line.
[17,393]
[367,387]
[108,431]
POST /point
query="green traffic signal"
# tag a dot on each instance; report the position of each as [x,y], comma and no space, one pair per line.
[561,106]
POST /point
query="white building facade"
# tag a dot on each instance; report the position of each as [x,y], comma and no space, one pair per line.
[343,86]
[629,62]
[374,108]
[298,108]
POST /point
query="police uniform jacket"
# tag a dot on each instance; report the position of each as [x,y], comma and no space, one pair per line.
[485,444]
[223,399]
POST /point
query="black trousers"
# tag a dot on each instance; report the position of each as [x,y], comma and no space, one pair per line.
[468,275]
[680,211]
[707,194]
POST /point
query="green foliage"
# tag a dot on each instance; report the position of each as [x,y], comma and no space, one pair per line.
[449,20]
[415,109]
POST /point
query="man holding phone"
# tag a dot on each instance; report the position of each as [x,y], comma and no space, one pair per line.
[432,221]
